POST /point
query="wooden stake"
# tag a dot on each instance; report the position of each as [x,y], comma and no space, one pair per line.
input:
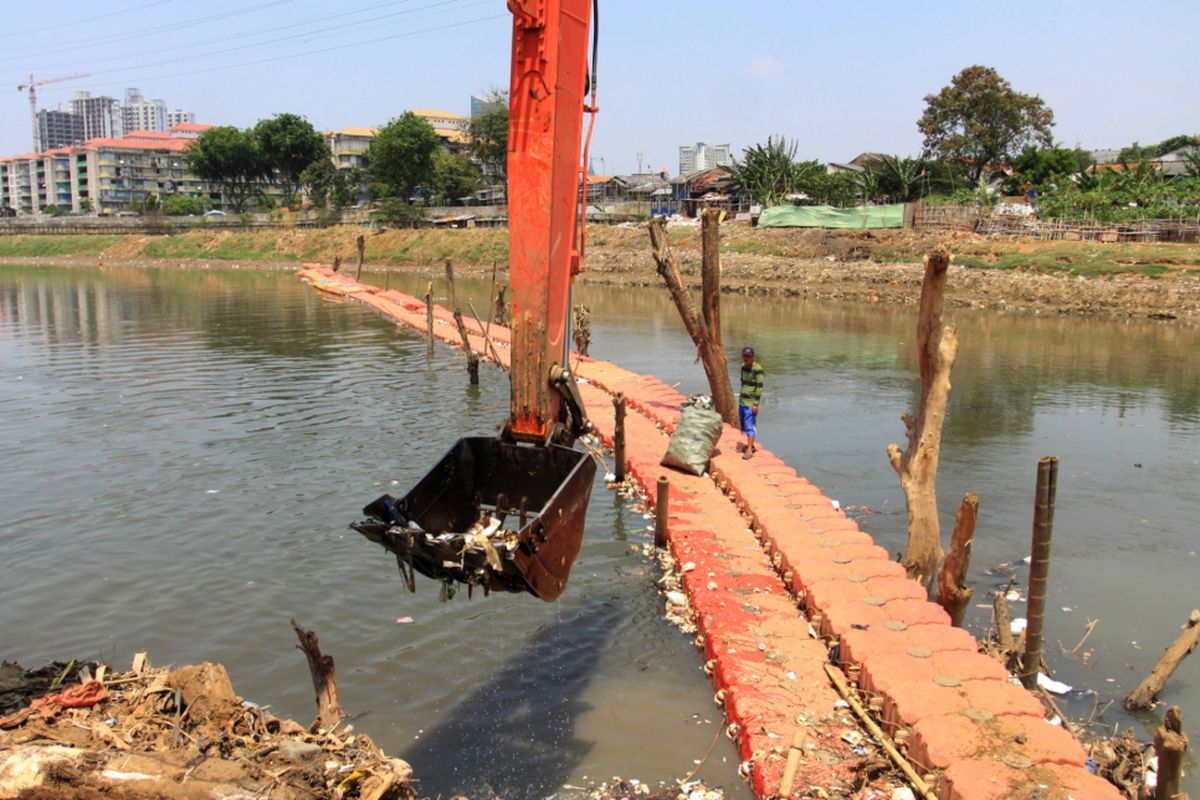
[329,707]
[450,303]
[839,683]
[582,333]
[429,320]
[661,510]
[619,435]
[362,246]
[1002,614]
[1039,569]
[715,366]
[472,356]
[1170,744]
[710,274]
[1144,695]
[916,466]
[953,593]
[487,340]
[501,307]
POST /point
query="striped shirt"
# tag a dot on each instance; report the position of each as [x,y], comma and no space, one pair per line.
[752,384]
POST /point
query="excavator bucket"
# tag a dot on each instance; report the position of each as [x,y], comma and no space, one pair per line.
[492,514]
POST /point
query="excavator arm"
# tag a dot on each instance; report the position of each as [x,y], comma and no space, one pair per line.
[508,512]
[546,108]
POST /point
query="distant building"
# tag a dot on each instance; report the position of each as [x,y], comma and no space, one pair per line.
[140,114]
[180,117]
[58,129]
[349,147]
[703,156]
[101,116]
[104,174]
[451,127]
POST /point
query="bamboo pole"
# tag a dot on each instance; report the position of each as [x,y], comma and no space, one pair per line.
[487,340]
[361,242]
[1039,568]
[472,356]
[450,302]
[661,510]
[429,320]
[619,435]
[839,683]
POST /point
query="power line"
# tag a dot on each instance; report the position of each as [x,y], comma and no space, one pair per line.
[219,39]
[291,56]
[283,39]
[85,19]
[137,34]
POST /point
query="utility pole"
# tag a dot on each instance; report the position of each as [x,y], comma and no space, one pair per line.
[639,158]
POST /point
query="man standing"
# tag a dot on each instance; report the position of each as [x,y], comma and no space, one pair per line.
[748,400]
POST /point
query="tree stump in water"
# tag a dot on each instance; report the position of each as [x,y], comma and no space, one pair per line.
[1143,696]
[953,593]
[1170,745]
[329,706]
[916,465]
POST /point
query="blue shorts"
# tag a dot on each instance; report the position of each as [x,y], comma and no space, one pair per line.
[747,417]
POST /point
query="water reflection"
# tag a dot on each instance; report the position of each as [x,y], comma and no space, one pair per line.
[183,450]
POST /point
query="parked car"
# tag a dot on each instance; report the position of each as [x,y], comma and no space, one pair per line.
[216,212]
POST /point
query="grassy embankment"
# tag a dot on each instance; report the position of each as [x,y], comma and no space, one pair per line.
[483,246]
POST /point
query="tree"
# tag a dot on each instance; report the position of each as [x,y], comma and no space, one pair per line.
[400,157]
[979,120]
[488,135]
[770,172]
[1042,166]
[454,177]
[319,179]
[898,179]
[231,158]
[180,205]
[290,144]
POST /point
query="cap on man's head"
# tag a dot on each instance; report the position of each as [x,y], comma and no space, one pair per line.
[747,351]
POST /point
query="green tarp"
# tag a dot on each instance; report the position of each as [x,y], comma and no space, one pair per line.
[891,216]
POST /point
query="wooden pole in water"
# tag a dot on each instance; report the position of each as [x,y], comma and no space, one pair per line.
[362,246]
[450,302]
[953,593]
[619,435]
[1039,568]
[429,319]
[324,678]
[1170,745]
[661,510]
[1143,696]
[472,356]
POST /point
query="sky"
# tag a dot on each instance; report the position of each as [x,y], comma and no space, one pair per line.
[836,78]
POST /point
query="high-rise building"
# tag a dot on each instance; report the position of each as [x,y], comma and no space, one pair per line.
[140,114]
[180,117]
[703,156]
[58,129]
[101,116]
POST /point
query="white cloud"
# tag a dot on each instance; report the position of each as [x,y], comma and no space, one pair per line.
[766,65]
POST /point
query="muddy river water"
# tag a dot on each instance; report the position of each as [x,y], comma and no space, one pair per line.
[182,452]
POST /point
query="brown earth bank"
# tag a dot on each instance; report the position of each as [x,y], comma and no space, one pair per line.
[1109,280]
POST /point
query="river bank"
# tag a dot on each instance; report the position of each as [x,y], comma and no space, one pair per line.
[1102,280]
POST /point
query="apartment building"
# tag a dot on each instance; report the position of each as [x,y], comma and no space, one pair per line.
[349,146]
[180,117]
[703,156]
[140,114]
[104,174]
[58,129]
[101,116]
[450,127]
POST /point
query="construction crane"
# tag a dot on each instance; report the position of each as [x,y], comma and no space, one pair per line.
[32,87]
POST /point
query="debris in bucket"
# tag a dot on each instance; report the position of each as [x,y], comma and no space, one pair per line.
[480,556]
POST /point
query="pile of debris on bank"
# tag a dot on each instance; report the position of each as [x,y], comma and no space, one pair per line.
[81,731]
